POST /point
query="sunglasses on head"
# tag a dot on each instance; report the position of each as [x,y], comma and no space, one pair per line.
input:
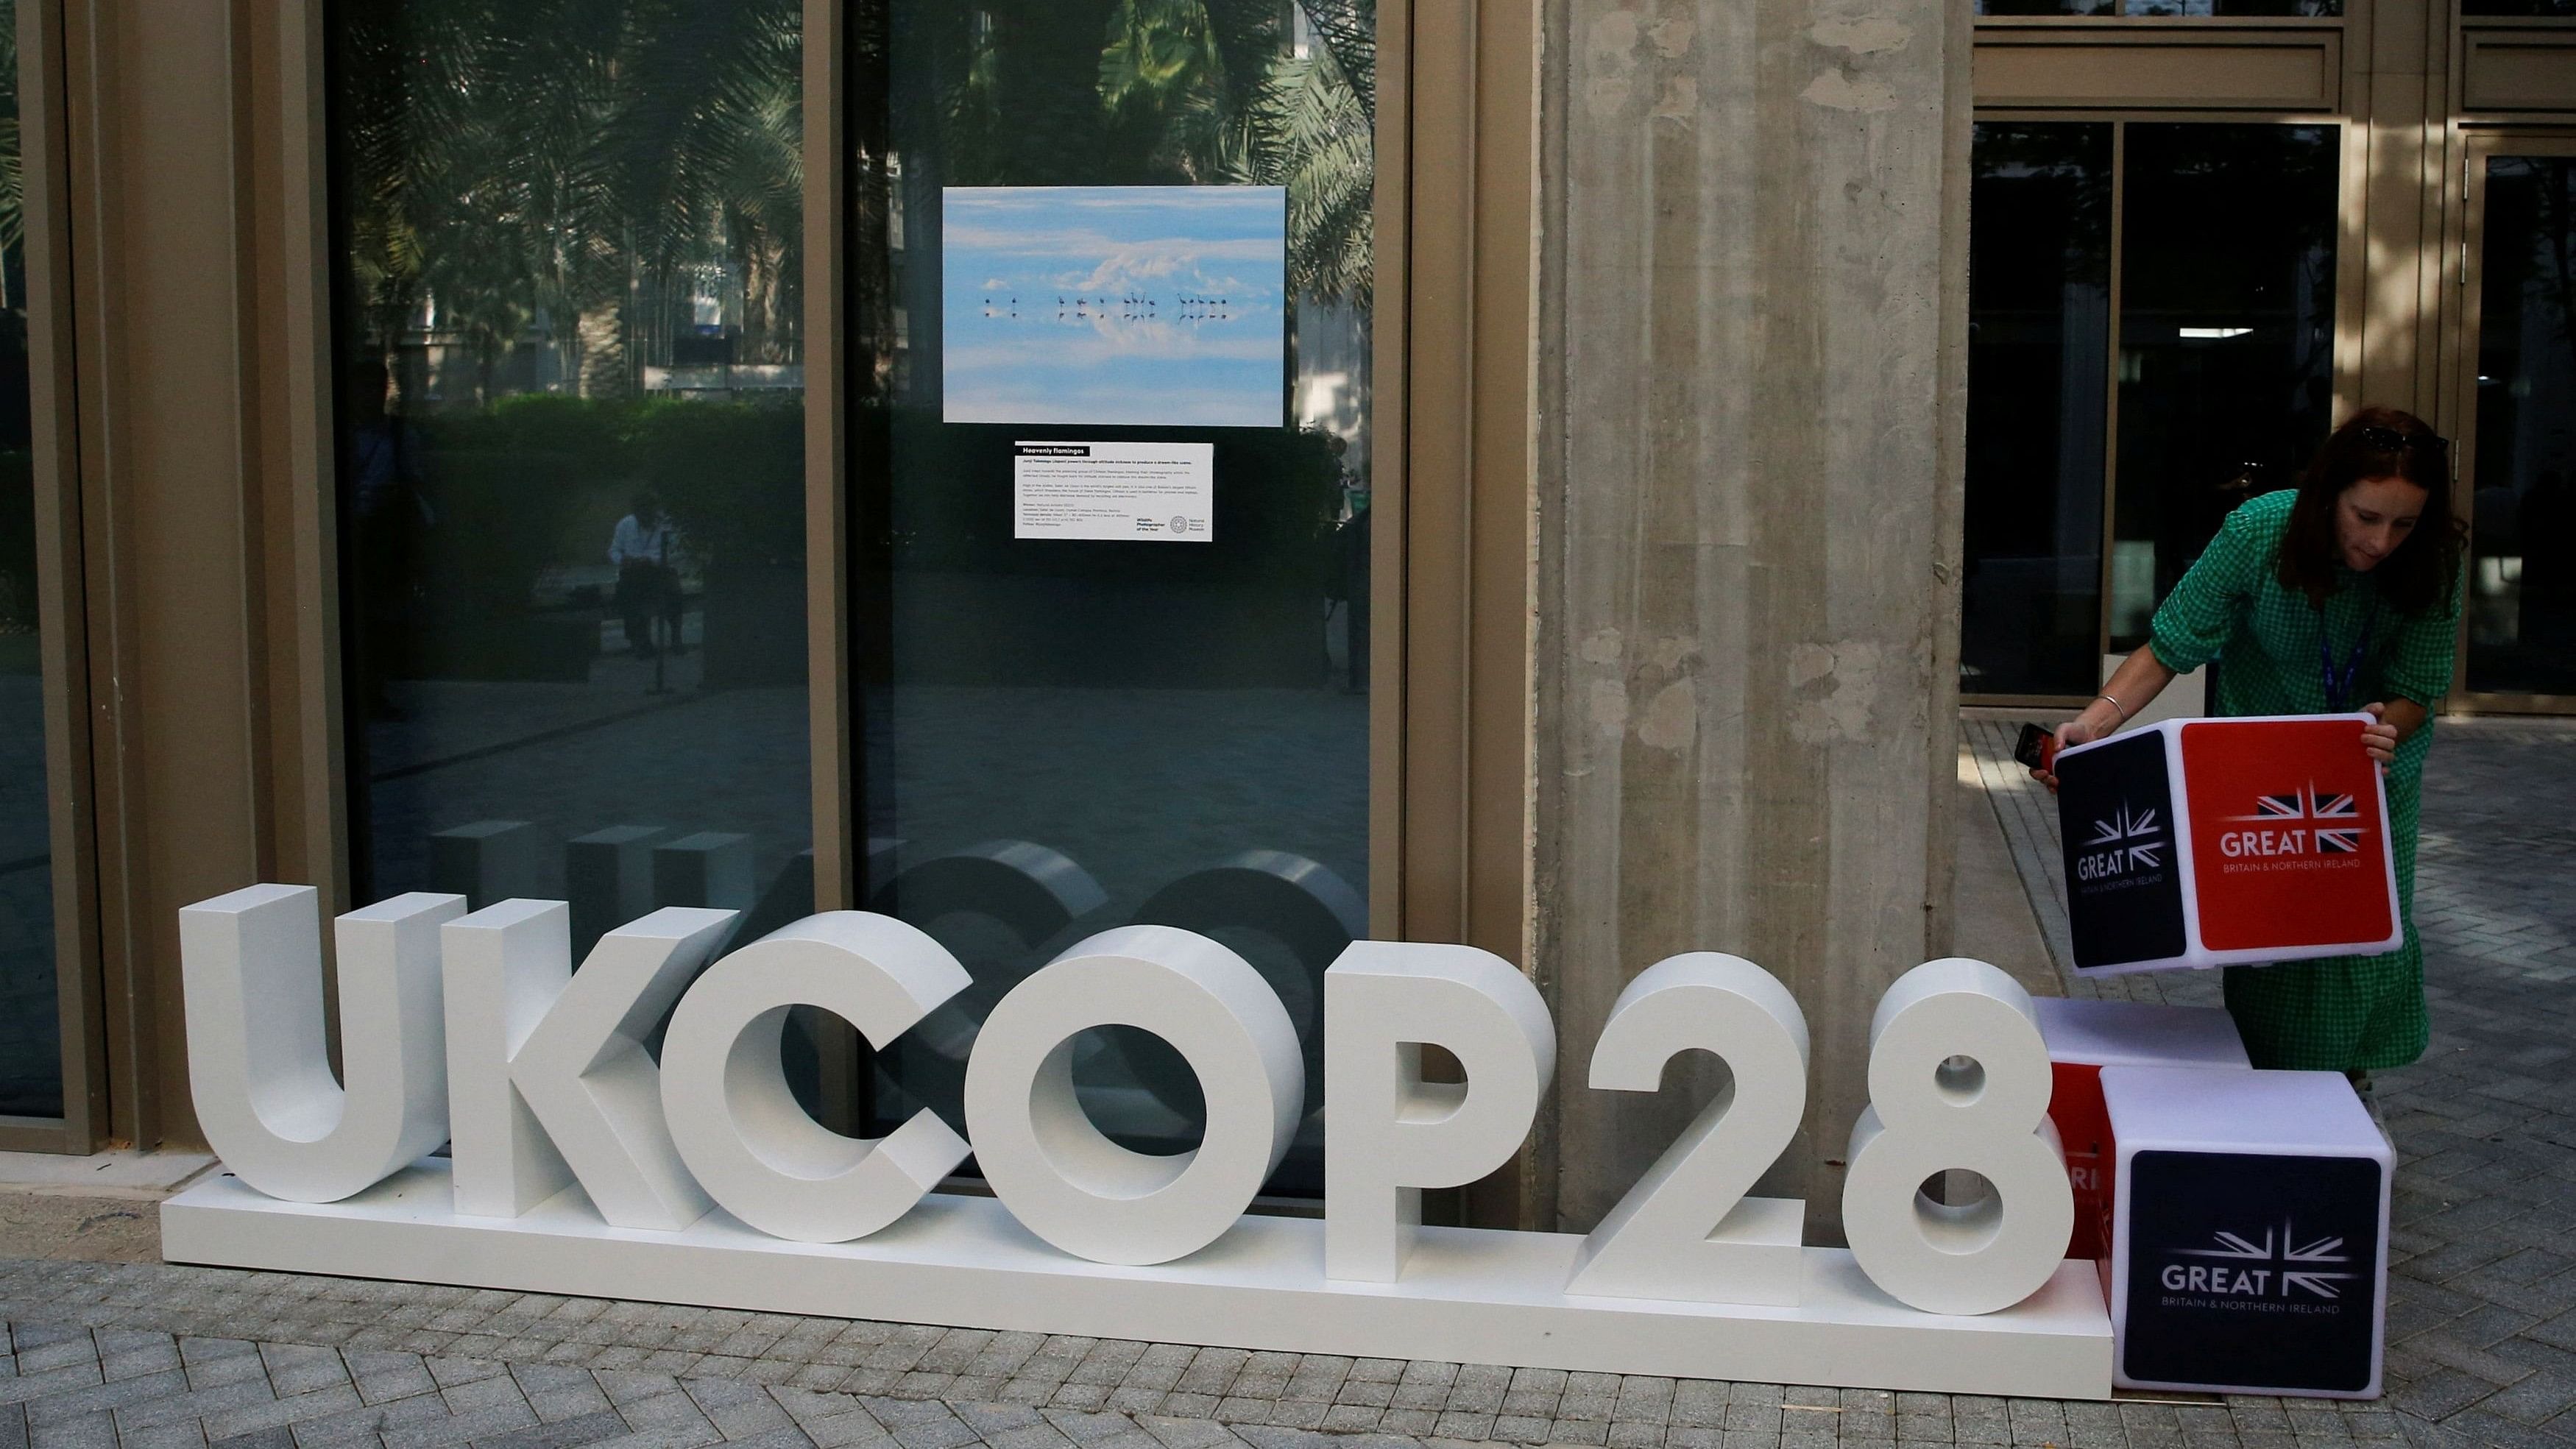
[2389,440]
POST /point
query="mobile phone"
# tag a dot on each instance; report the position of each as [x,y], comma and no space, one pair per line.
[2037,748]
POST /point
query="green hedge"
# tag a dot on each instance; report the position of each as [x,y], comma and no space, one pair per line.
[543,479]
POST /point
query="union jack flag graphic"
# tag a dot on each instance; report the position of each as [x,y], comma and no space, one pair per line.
[2309,806]
[2138,826]
[2299,1263]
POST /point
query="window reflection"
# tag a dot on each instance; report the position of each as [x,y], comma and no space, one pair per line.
[2196,8]
[2522,590]
[2226,337]
[2234,7]
[2039,305]
[2047,7]
[570,422]
[31,1068]
[1059,736]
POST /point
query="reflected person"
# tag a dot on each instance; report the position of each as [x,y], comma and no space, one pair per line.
[648,581]
[1351,581]
[390,516]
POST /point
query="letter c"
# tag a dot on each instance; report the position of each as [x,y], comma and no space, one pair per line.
[737,1125]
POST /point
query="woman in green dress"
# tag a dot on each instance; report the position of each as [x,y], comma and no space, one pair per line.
[2340,595]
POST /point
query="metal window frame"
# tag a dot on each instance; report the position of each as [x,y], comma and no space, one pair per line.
[1453,552]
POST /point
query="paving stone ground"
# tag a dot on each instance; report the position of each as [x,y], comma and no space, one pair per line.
[2482,1319]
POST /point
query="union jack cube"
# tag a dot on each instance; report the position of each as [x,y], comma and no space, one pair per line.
[2211,842]
[2249,1232]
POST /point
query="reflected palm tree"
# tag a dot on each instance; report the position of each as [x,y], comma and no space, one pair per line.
[572,171]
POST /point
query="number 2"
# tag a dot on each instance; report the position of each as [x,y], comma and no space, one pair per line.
[1686,1230]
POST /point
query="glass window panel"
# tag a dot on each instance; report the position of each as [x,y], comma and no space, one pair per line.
[2202,8]
[2522,581]
[2047,7]
[31,1058]
[2039,330]
[1067,735]
[571,452]
[2194,8]
[2518,7]
[2226,337]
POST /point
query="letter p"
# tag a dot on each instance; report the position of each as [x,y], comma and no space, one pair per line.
[1392,1134]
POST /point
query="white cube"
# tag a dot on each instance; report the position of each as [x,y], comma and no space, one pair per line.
[2249,1248]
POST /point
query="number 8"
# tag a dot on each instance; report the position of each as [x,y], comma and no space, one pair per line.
[1958,1079]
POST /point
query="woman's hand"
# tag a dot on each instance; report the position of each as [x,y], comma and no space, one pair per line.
[2131,688]
[2098,721]
[2379,737]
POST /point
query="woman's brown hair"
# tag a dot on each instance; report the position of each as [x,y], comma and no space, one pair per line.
[2419,575]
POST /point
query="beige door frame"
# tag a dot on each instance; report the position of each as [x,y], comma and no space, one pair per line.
[61,593]
[2459,412]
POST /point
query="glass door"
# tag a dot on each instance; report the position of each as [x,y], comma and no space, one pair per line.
[2151,329]
[2520,427]
[1109,276]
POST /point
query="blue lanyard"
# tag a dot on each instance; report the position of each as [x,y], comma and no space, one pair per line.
[2339,686]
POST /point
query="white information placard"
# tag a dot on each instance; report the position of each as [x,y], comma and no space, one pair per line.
[1112,491]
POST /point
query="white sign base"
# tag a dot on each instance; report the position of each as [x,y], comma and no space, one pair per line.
[1467,1295]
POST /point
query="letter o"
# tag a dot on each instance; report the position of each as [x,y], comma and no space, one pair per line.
[739,1128]
[1057,1172]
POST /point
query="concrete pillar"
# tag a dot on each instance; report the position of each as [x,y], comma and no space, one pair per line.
[1752,325]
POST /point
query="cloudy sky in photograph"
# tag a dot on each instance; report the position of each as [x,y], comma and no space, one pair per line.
[1136,306]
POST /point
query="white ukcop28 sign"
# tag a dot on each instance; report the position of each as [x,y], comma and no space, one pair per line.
[579,1165]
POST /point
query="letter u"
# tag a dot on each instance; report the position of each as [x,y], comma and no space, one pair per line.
[250,964]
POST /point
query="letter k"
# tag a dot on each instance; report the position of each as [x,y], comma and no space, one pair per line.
[591,1085]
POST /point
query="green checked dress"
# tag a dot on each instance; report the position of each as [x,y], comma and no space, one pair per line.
[2339,1013]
